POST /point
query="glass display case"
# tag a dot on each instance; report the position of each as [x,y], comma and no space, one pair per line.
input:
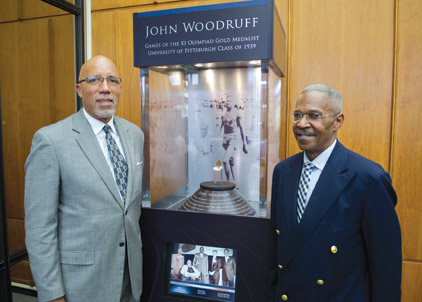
[210,122]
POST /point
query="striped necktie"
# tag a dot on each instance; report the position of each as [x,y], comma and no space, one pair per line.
[303,189]
[119,165]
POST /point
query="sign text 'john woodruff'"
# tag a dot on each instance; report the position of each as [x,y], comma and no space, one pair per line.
[229,24]
[215,35]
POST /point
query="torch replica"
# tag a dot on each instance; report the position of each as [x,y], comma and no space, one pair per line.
[219,197]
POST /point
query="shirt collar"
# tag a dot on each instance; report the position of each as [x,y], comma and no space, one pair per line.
[321,159]
[96,125]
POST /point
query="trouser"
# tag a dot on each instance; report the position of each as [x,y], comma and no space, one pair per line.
[127,295]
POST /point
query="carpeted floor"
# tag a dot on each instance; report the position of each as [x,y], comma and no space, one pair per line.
[23,298]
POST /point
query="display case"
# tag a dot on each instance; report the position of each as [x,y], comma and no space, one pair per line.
[210,79]
[195,116]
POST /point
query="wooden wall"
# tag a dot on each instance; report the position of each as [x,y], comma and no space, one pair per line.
[406,146]
[370,51]
[37,89]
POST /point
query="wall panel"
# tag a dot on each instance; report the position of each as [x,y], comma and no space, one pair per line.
[25,88]
[9,83]
[30,9]
[104,34]
[37,87]
[62,67]
[412,280]
[98,5]
[108,4]
[21,273]
[407,147]
[16,235]
[33,74]
[9,10]
[131,93]
[283,11]
[348,45]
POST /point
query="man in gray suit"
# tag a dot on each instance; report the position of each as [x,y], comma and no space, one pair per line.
[200,261]
[229,269]
[82,203]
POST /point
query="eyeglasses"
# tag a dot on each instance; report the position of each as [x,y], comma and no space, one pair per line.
[311,117]
[96,80]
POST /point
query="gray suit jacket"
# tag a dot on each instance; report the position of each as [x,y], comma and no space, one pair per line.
[77,229]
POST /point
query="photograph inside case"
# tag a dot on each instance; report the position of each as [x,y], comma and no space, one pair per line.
[199,272]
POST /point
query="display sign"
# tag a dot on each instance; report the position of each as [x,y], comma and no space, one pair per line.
[214,33]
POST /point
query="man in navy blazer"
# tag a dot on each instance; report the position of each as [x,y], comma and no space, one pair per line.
[340,240]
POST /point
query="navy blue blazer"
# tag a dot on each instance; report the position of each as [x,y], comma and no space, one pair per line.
[347,246]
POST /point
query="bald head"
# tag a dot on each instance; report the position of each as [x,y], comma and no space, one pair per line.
[95,64]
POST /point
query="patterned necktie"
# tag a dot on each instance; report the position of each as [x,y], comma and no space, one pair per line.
[303,189]
[119,165]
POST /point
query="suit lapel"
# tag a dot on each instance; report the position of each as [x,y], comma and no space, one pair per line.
[291,181]
[330,184]
[89,145]
[332,181]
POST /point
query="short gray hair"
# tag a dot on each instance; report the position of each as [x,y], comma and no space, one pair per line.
[333,95]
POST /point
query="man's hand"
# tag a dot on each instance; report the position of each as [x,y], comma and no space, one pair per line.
[59,300]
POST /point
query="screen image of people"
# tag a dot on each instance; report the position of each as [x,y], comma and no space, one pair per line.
[178,261]
[204,264]
[202,271]
[215,267]
[189,272]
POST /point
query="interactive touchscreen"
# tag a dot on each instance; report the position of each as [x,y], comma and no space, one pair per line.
[204,273]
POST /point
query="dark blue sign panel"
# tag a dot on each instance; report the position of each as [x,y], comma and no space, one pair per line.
[215,33]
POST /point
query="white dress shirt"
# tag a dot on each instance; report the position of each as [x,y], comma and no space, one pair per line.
[319,163]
